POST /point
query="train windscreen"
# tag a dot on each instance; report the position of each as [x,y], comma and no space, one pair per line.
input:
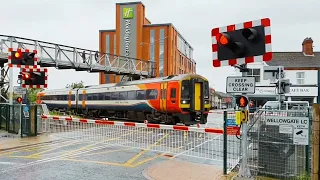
[185,89]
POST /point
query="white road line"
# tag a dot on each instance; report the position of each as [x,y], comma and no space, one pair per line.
[6,163]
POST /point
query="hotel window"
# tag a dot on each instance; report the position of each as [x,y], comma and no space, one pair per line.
[161,66]
[107,51]
[152,49]
[255,73]
[152,45]
[300,77]
[114,44]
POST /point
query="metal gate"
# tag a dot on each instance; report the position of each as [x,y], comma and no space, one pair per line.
[204,143]
[279,143]
[16,119]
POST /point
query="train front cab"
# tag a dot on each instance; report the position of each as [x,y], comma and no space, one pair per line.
[194,100]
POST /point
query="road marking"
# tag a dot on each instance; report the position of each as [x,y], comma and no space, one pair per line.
[26,157]
[8,163]
[33,146]
[130,161]
[51,149]
[146,160]
[97,162]
[103,152]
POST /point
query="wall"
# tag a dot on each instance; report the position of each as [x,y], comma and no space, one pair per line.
[107,39]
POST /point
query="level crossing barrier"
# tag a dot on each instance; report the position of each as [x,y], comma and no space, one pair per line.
[205,143]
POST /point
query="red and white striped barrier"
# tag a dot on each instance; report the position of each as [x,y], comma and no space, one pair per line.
[221,112]
[133,124]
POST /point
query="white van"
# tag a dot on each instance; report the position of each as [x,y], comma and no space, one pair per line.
[286,105]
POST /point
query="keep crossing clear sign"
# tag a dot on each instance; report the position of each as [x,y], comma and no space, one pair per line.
[241,85]
[297,126]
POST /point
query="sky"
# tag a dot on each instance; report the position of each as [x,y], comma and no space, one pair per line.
[77,23]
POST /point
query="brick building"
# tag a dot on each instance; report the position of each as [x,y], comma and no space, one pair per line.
[136,37]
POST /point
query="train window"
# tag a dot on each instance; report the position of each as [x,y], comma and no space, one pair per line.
[94,96]
[173,93]
[185,89]
[107,96]
[141,95]
[114,95]
[73,97]
[101,96]
[206,90]
[131,95]
[123,95]
[151,94]
[80,97]
[89,97]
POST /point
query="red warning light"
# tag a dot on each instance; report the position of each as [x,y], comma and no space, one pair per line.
[242,101]
[17,55]
[223,40]
[26,76]
[19,99]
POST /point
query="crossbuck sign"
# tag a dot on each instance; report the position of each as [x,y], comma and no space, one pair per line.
[241,85]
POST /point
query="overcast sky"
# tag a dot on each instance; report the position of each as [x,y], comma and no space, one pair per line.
[77,23]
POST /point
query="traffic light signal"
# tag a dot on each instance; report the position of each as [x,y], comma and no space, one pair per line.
[242,101]
[19,100]
[242,43]
[34,78]
[22,58]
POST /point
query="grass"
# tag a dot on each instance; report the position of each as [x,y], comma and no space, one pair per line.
[56,113]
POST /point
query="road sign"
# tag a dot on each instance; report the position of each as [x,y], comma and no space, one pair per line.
[241,85]
[231,122]
[242,43]
[26,109]
[272,73]
[19,90]
[297,126]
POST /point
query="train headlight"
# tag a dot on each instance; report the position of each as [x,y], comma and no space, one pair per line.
[185,102]
[206,102]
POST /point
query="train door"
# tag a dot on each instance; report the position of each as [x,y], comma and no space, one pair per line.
[163,96]
[172,96]
[70,99]
[197,96]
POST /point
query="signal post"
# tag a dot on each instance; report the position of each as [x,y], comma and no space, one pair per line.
[237,45]
[31,75]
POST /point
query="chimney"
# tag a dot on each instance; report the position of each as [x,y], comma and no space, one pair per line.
[307,47]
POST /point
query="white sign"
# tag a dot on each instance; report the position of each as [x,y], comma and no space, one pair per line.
[19,90]
[285,129]
[300,126]
[241,85]
[294,91]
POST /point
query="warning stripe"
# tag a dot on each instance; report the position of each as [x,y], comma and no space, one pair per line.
[132,124]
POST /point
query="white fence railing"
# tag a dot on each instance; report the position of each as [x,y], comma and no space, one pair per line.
[206,143]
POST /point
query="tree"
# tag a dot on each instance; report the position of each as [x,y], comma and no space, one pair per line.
[75,85]
[32,94]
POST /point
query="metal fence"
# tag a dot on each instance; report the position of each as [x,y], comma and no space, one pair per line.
[205,143]
[232,142]
[279,144]
[16,119]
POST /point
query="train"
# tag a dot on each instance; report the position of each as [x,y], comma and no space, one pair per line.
[182,98]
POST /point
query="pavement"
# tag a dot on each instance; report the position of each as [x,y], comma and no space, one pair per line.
[56,157]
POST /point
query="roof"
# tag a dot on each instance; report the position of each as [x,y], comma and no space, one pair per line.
[295,60]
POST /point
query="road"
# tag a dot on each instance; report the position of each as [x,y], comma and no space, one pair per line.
[110,154]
